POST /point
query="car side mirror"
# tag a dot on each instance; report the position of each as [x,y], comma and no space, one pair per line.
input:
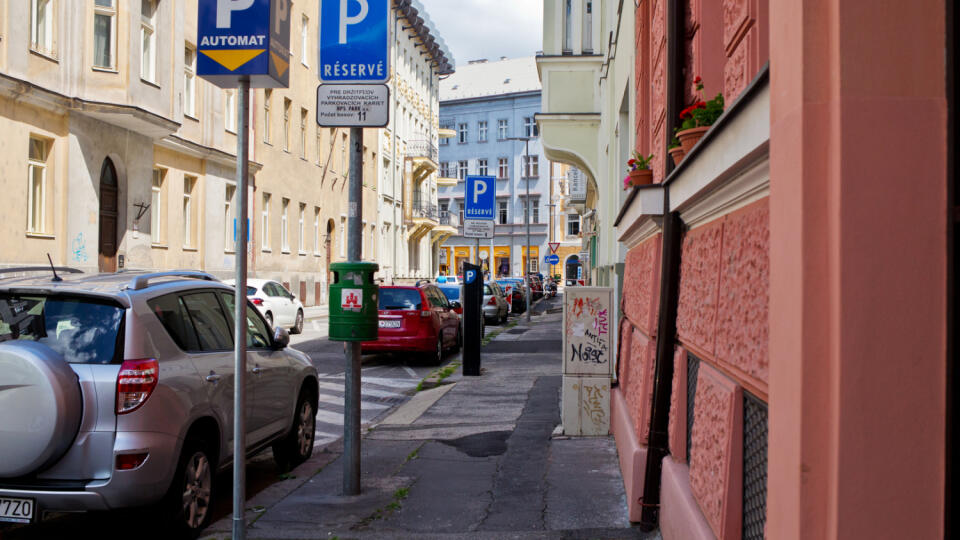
[281,338]
[455,305]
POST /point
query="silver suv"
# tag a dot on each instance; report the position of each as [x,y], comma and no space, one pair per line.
[116,390]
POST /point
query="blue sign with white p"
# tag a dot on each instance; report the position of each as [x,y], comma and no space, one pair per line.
[470,276]
[480,197]
[354,44]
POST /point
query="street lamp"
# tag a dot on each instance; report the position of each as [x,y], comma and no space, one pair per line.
[526,218]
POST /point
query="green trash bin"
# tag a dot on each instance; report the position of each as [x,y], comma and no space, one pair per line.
[354,302]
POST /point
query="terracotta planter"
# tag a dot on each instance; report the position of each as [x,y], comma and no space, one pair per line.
[640,177]
[677,153]
[689,137]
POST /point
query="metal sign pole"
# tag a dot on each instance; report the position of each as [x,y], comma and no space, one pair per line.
[351,384]
[526,271]
[240,317]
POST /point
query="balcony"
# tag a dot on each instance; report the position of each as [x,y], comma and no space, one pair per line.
[423,149]
[449,226]
[424,218]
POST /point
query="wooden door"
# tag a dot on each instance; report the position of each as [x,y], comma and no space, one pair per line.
[107,241]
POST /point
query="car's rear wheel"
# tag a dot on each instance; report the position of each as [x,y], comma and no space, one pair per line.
[298,323]
[190,495]
[297,446]
[436,357]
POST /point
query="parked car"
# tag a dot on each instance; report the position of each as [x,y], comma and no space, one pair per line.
[536,287]
[513,292]
[495,306]
[117,391]
[449,279]
[416,319]
[278,305]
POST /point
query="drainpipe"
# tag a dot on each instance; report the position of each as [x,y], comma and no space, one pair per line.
[669,288]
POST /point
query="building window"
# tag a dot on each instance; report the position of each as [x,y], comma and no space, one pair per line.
[156,206]
[573,224]
[284,232]
[482,167]
[41,27]
[530,128]
[104,30]
[568,27]
[230,110]
[444,141]
[287,104]
[462,134]
[445,170]
[462,170]
[502,212]
[531,166]
[189,224]
[534,265]
[37,180]
[482,131]
[587,38]
[265,223]
[316,230]
[231,229]
[301,240]
[536,211]
[503,168]
[148,40]
[190,81]
[303,133]
[304,40]
[460,215]
[267,102]
[503,128]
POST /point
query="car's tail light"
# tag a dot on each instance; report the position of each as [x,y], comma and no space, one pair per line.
[257,301]
[128,462]
[492,301]
[135,383]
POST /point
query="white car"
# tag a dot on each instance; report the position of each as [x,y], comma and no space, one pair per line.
[277,305]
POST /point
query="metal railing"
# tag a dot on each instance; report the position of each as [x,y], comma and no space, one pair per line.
[423,149]
[423,209]
[449,218]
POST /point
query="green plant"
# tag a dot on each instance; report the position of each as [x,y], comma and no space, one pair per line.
[674,142]
[701,113]
[638,162]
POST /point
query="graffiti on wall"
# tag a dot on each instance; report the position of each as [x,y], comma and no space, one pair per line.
[78,248]
[587,320]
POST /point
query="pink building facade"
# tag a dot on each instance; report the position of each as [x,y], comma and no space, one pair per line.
[786,345]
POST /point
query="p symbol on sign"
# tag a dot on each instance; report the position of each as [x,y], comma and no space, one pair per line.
[479,188]
[346,20]
[225,9]
[471,275]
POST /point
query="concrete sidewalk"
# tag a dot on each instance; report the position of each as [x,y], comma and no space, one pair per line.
[472,458]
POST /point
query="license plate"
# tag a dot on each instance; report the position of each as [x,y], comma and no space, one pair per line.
[389,324]
[17,510]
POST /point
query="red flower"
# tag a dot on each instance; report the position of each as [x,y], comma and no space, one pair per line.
[631,161]
[698,80]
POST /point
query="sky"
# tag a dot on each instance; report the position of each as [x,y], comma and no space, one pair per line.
[475,29]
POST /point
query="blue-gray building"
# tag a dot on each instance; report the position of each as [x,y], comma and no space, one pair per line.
[486,107]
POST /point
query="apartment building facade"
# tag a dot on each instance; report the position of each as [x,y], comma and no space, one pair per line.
[490,107]
[781,332]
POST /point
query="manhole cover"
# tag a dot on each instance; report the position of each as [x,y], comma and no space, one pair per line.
[517,330]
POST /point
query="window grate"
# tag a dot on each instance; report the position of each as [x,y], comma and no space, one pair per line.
[754,467]
[693,367]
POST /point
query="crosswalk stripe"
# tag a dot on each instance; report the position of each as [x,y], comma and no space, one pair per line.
[366,391]
[338,400]
[382,381]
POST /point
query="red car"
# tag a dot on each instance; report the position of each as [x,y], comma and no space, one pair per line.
[416,319]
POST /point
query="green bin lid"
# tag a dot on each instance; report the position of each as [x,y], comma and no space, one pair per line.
[354,267]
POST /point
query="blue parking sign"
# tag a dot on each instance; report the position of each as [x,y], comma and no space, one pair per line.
[244,39]
[480,197]
[354,44]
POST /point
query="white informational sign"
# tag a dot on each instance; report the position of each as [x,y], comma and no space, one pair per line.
[477,228]
[351,299]
[353,105]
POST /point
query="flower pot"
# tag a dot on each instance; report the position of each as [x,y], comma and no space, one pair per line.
[689,137]
[677,153]
[640,177]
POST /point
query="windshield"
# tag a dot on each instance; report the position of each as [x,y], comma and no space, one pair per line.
[399,299]
[83,330]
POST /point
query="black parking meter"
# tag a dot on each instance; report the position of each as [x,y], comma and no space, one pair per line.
[472,318]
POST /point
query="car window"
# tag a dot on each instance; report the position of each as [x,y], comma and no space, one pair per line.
[400,299]
[486,290]
[452,293]
[173,315]
[284,292]
[437,299]
[210,322]
[270,289]
[84,331]
[251,291]
[258,334]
